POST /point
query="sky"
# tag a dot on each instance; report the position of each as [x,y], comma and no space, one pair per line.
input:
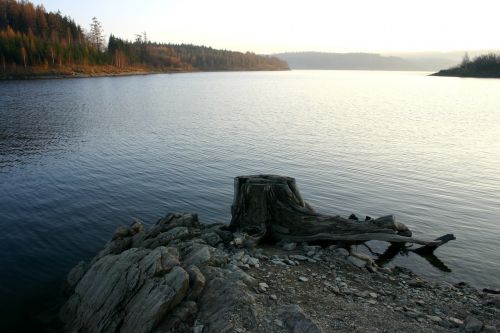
[272,26]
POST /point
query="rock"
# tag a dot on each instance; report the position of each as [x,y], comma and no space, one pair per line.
[121,232]
[164,238]
[371,301]
[455,322]
[278,262]
[296,320]
[74,277]
[435,319]
[129,291]
[238,274]
[445,323]
[492,300]
[204,254]
[355,261]
[353,217]
[211,238]
[278,322]
[311,248]
[491,291]
[416,283]
[263,287]
[238,255]
[245,259]
[136,227]
[289,246]
[253,262]
[362,294]
[180,319]
[489,329]
[303,279]
[472,325]
[273,297]
[341,252]
[173,220]
[198,328]
[224,296]
[196,282]
[298,257]
[373,295]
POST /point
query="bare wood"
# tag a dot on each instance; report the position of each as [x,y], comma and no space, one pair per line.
[272,206]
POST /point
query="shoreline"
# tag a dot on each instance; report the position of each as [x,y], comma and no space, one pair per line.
[451,73]
[77,75]
[216,284]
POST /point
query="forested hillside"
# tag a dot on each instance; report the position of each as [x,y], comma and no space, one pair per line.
[34,41]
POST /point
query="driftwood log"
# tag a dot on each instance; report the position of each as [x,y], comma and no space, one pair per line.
[270,206]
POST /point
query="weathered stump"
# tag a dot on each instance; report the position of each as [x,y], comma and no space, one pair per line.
[271,206]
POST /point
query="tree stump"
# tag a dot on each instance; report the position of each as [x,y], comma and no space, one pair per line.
[271,206]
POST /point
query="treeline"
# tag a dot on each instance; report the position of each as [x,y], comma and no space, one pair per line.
[33,39]
[30,36]
[487,65]
[185,56]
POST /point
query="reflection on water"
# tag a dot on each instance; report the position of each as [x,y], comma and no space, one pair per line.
[80,157]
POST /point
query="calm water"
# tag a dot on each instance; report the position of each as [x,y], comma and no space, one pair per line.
[80,157]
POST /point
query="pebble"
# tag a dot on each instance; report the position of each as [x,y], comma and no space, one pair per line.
[355,261]
[290,246]
[298,257]
[455,322]
[278,322]
[362,293]
[445,323]
[341,252]
[416,283]
[253,262]
[273,297]
[303,279]
[472,325]
[489,329]
[435,319]
[263,287]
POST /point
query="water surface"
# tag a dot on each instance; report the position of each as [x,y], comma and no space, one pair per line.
[80,157]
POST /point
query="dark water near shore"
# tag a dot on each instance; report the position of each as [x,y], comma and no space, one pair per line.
[80,157]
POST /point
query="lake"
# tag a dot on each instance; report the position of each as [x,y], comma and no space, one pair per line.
[79,157]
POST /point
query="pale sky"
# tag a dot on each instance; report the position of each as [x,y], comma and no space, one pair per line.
[315,25]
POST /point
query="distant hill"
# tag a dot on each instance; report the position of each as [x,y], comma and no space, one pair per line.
[483,66]
[361,61]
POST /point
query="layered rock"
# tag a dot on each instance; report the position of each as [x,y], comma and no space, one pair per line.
[175,277]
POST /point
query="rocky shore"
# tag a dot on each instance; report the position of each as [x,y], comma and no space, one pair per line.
[184,276]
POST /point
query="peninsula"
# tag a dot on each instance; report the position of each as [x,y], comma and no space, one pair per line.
[484,66]
[36,43]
